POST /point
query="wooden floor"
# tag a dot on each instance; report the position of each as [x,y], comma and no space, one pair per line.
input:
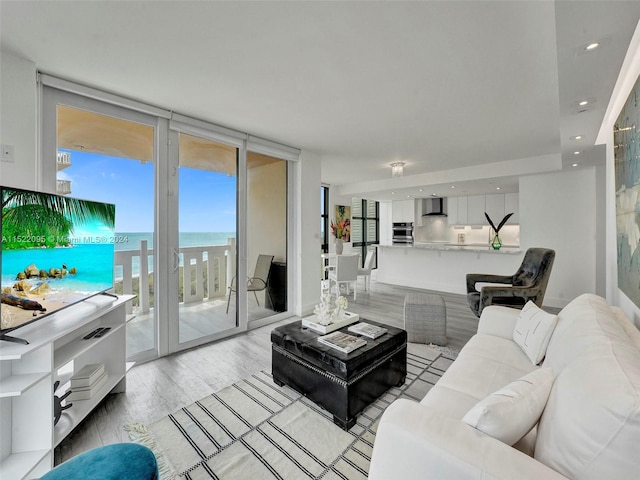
[160,387]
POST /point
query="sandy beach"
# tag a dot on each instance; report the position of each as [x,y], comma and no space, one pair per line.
[13,317]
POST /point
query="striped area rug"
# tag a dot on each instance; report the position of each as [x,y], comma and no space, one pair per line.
[254,429]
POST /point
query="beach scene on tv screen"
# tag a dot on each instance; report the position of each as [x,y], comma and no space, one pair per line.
[56,251]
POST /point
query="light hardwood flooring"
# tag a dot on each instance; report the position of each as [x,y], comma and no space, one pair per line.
[162,386]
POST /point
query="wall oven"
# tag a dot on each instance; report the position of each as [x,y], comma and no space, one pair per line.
[403,233]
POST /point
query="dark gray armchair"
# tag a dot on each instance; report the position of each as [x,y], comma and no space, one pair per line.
[528,283]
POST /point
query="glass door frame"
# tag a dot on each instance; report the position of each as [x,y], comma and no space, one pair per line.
[56,92]
[180,124]
[292,157]
[53,90]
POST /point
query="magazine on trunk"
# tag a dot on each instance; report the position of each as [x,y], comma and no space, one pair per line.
[367,330]
[342,341]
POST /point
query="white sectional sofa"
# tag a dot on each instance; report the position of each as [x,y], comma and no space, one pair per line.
[590,425]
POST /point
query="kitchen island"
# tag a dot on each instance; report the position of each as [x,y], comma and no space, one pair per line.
[443,266]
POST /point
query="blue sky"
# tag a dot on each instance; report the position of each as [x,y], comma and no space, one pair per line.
[207,199]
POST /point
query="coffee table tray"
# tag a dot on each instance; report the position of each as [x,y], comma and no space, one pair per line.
[310,322]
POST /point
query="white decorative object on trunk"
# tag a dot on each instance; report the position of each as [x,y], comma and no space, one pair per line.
[311,322]
[329,316]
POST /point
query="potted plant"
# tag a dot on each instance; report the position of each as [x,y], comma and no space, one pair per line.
[341,231]
[496,243]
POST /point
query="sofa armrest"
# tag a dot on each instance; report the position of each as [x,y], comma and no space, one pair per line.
[498,321]
[416,442]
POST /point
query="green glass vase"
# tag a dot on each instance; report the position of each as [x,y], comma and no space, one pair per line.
[496,242]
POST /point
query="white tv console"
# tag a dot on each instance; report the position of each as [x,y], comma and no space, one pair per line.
[28,372]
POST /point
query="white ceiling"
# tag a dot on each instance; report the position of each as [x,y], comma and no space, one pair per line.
[466,93]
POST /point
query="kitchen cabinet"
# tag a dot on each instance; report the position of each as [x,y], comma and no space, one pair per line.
[457,210]
[475,210]
[396,211]
[512,205]
[494,206]
[452,211]
[469,210]
[418,211]
[403,211]
[462,210]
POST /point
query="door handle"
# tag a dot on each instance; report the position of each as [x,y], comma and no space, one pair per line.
[176,260]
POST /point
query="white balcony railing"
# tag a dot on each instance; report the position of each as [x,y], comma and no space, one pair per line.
[204,272]
[63,160]
[63,187]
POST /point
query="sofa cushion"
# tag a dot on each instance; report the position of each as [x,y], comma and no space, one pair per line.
[583,323]
[629,328]
[485,364]
[533,331]
[511,412]
[591,424]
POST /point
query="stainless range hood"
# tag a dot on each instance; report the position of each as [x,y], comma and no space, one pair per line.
[432,207]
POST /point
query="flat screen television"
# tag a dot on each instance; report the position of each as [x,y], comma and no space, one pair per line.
[56,251]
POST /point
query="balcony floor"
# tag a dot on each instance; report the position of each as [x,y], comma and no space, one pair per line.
[196,320]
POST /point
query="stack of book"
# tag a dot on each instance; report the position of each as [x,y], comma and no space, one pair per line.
[342,341]
[87,381]
[367,330]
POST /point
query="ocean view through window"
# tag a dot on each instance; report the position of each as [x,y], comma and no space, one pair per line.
[131,241]
[190,197]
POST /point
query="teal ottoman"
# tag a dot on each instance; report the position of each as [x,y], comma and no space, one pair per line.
[119,461]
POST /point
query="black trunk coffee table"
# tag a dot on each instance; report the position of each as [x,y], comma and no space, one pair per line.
[342,383]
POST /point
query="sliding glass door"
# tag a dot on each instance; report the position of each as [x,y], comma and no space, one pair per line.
[267,265]
[202,213]
[105,153]
[206,237]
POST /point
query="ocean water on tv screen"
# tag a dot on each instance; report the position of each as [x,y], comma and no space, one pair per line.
[93,264]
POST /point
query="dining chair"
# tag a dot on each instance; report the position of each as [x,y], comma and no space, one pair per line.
[258,282]
[365,271]
[345,271]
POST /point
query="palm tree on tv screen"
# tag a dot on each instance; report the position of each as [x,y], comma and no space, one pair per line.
[35,214]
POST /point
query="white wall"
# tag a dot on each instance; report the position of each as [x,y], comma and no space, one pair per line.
[558,211]
[18,113]
[307,206]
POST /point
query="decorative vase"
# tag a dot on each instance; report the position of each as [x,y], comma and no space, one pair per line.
[496,243]
[339,246]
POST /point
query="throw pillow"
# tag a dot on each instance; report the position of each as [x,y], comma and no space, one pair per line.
[511,412]
[533,331]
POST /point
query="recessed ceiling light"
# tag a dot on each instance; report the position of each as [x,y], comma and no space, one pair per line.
[393,193]
[434,194]
[584,104]
[497,188]
[453,186]
[408,196]
[576,153]
[594,45]
[420,190]
[576,137]
[575,164]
